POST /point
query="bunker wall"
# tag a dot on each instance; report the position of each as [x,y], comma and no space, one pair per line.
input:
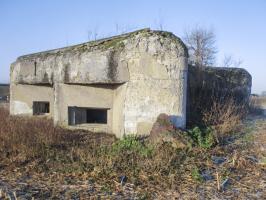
[85,96]
[209,84]
[23,96]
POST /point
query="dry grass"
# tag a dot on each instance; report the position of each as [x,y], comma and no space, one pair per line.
[224,118]
[257,105]
[25,138]
[35,142]
[4,105]
[60,162]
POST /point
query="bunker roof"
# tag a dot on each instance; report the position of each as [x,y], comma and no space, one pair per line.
[105,43]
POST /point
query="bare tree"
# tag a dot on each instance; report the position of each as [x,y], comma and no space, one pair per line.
[121,29]
[95,33]
[92,35]
[230,61]
[159,22]
[89,34]
[201,43]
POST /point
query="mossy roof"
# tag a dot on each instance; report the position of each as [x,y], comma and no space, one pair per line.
[222,74]
[105,43]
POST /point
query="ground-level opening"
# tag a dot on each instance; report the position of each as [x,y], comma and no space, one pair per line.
[83,115]
[41,107]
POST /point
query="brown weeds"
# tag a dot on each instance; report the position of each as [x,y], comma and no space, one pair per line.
[224,118]
[60,159]
[36,140]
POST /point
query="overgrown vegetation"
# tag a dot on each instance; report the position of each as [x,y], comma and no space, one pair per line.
[196,174]
[33,146]
[224,118]
[48,148]
[203,138]
[220,121]
[132,145]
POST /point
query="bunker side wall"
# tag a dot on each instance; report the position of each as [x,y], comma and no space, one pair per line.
[156,86]
[22,97]
[118,110]
[88,96]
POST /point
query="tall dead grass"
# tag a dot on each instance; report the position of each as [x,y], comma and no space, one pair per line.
[36,146]
[34,137]
[224,117]
[20,136]
[27,139]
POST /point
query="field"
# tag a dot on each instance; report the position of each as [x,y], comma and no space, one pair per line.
[40,161]
[4,89]
[259,101]
[4,105]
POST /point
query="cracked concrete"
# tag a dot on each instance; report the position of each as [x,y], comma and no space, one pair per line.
[135,76]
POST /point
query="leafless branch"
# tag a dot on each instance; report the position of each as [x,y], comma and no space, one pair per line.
[229,61]
[201,45]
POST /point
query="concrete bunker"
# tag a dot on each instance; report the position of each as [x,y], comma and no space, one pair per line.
[118,85]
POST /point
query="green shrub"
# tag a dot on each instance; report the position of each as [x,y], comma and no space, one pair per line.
[196,174]
[132,144]
[202,137]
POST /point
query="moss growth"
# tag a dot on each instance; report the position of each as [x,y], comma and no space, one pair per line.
[175,39]
[116,42]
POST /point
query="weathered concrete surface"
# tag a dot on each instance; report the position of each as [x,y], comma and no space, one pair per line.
[214,83]
[158,79]
[136,76]
[84,96]
[163,131]
[24,95]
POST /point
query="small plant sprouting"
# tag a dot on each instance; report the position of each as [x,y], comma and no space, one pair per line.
[196,174]
[203,138]
[132,144]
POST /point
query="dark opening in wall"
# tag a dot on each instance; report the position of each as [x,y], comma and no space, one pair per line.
[35,68]
[41,107]
[80,115]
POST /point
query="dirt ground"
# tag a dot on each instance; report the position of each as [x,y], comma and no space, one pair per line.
[4,105]
[236,170]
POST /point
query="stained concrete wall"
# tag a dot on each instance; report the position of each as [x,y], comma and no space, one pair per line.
[95,96]
[145,73]
[22,97]
[155,87]
[118,110]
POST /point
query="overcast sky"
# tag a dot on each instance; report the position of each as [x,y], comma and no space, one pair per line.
[28,26]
